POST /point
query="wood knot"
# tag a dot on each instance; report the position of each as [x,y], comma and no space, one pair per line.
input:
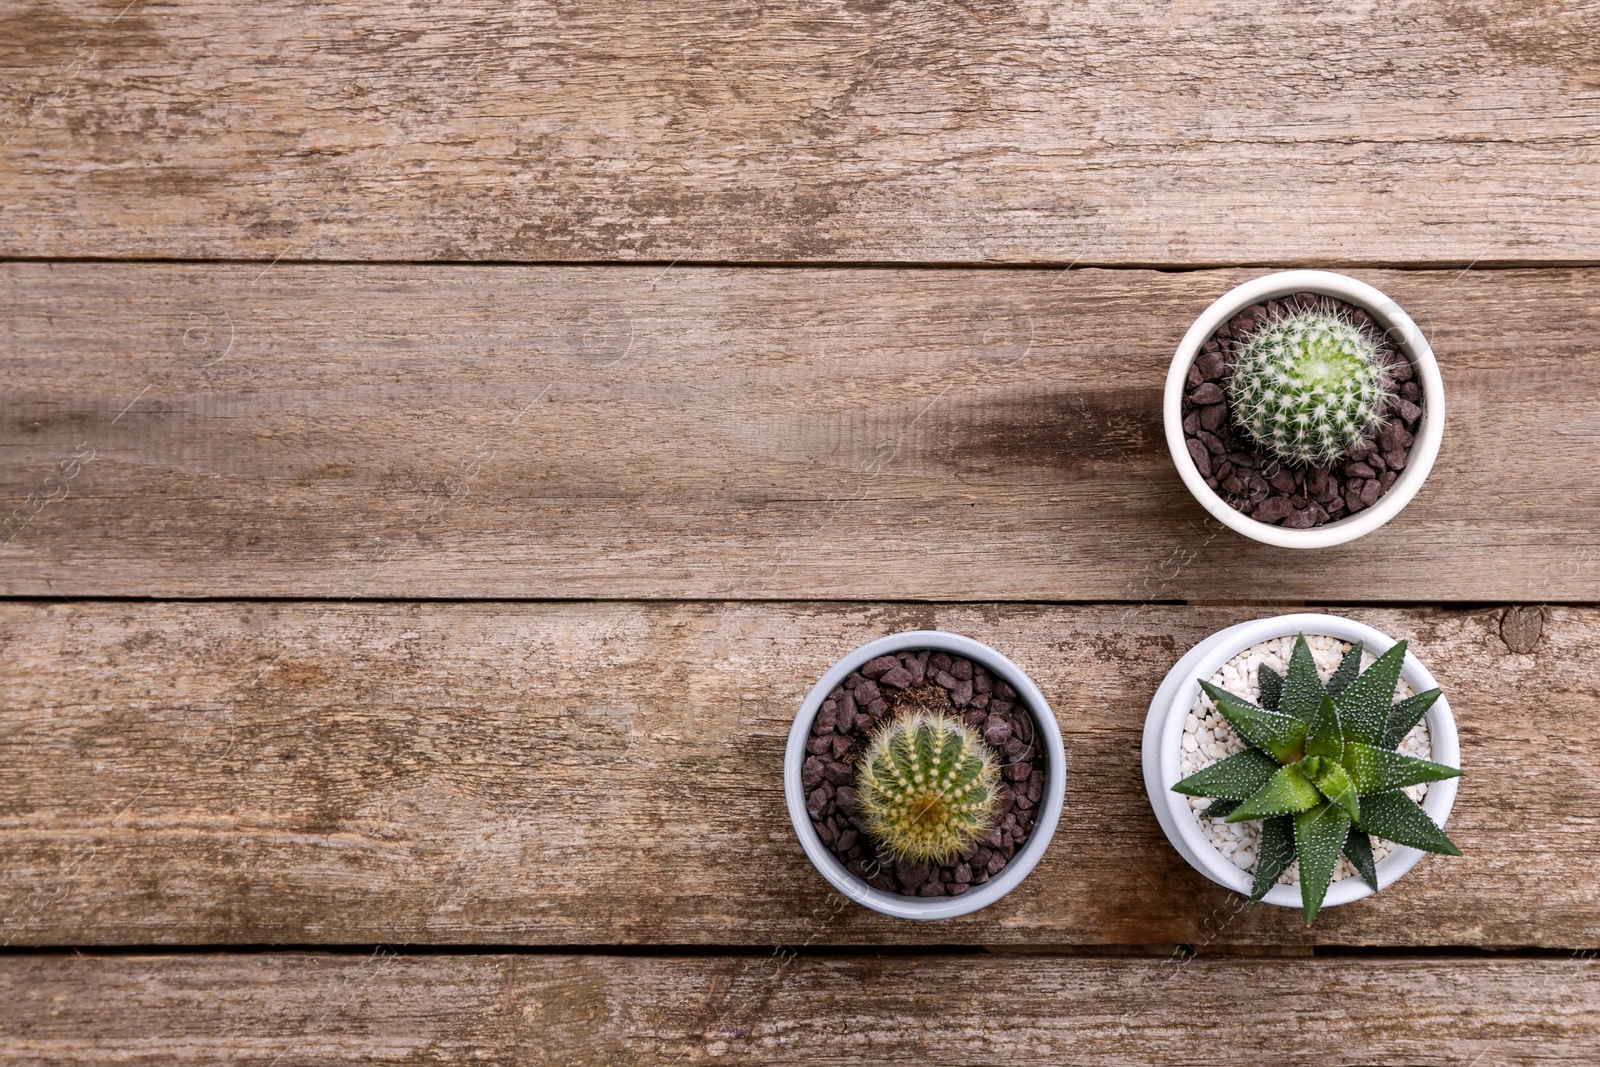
[1521,627]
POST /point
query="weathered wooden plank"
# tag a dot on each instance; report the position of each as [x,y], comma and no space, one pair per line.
[1426,132]
[291,1009]
[345,431]
[490,773]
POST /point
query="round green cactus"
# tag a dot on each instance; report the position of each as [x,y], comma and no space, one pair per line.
[926,786]
[1308,385]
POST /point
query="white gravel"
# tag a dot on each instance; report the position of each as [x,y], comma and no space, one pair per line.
[1207,738]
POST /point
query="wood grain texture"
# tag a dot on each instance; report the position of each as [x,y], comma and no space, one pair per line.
[1432,131]
[219,773]
[340,431]
[302,1009]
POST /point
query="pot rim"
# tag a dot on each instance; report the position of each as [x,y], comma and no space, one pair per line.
[1402,331]
[1050,804]
[1163,735]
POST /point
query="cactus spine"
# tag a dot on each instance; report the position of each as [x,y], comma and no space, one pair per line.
[1308,385]
[926,786]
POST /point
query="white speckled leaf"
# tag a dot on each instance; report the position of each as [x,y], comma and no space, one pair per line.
[1349,668]
[1222,807]
[1364,705]
[1334,783]
[1380,770]
[1358,847]
[1270,682]
[1280,735]
[1405,715]
[1302,686]
[1286,793]
[1273,855]
[1396,817]
[1240,775]
[1326,736]
[1319,836]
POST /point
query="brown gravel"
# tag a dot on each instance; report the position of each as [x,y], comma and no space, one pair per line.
[1258,485]
[842,731]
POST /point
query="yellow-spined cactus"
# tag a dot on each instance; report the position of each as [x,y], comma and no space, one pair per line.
[927,786]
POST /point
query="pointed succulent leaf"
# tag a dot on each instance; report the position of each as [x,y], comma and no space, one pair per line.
[1221,807]
[1271,685]
[1240,775]
[1332,782]
[1287,793]
[1396,817]
[1311,766]
[1273,855]
[1348,669]
[1364,704]
[1358,847]
[1319,836]
[1380,770]
[1405,715]
[1326,736]
[1281,735]
[1302,686]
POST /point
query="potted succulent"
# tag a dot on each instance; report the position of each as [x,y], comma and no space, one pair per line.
[1276,752]
[924,775]
[1304,409]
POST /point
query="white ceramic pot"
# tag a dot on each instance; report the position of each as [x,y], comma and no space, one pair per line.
[1402,332]
[1044,827]
[1163,737]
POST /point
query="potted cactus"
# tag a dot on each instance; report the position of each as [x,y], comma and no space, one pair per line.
[1304,409]
[927,785]
[1276,753]
[924,775]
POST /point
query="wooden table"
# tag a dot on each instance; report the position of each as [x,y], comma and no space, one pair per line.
[443,443]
